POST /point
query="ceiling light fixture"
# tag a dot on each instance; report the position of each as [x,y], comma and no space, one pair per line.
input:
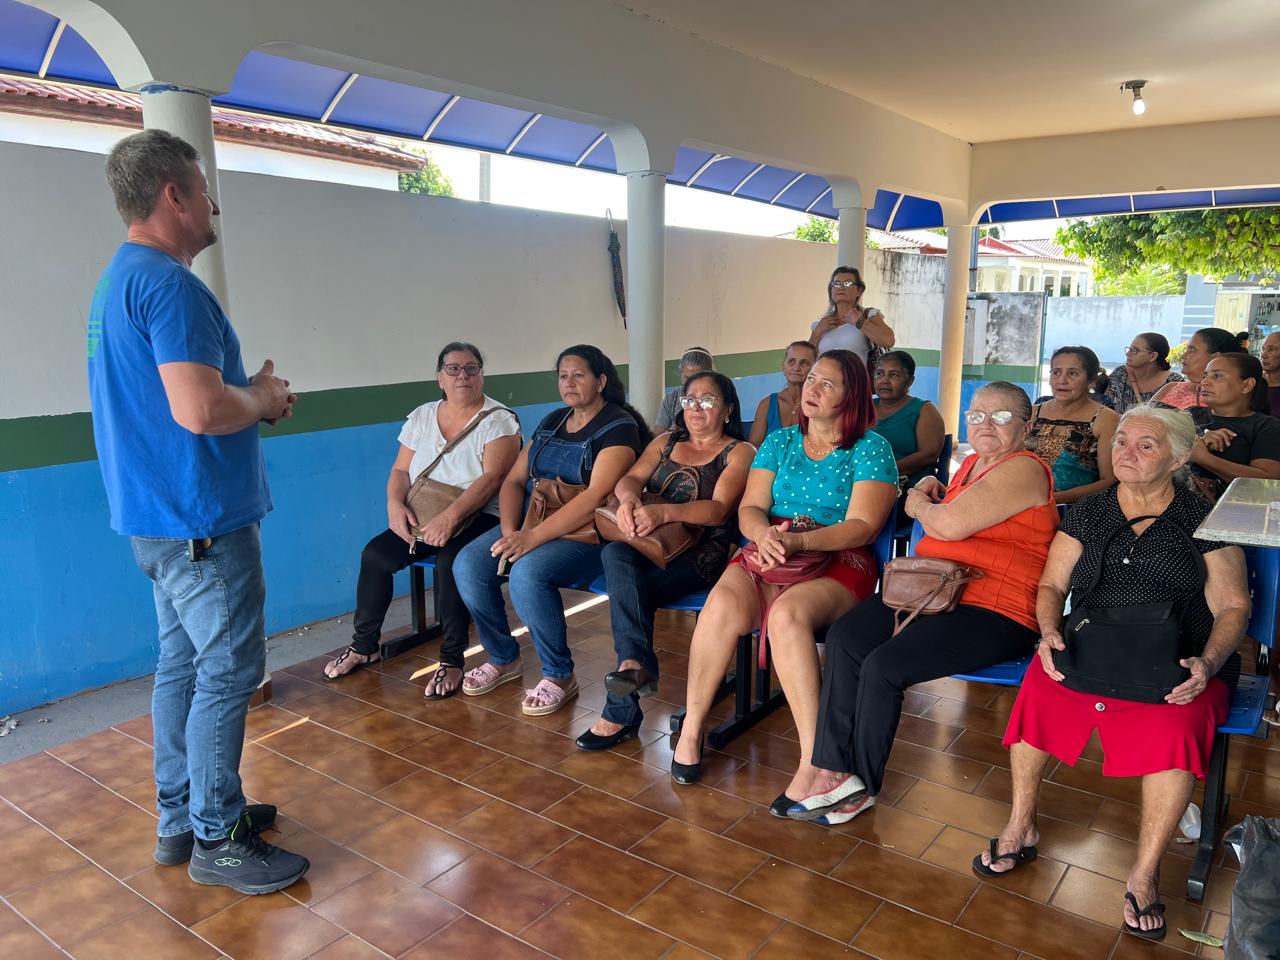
[1139,105]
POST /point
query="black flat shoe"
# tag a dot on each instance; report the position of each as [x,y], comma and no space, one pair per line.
[595,741]
[781,804]
[623,683]
[688,772]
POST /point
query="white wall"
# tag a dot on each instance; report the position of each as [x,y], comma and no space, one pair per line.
[1109,324]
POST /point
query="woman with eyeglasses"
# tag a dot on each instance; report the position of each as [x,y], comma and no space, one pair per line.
[782,409]
[704,443]
[1238,437]
[817,496]
[1204,345]
[997,516]
[1071,431]
[490,441]
[847,324]
[1145,370]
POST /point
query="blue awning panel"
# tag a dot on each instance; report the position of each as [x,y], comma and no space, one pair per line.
[489,126]
[560,141]
[394,107]
[76,60]
[602,158]
[878,215]
[766,184]
[276,85]
[915,213]
[1170,201]
[1022,210]
[824,207]
[1234,198]
[25,33]
[723,175]
[688,161]
[1093,206]
[803,192]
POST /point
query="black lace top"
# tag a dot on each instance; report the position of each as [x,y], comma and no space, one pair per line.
[711,552]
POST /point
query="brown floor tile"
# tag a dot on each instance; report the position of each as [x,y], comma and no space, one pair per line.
[472,720]
[139,728]
[1262,789]
[18,938]
[607,771]
[1255,759]
[451,755]
[433,798]
[410,668]
[1034,927]
[1057,801]
[396,696]
[947,769]
[531,744]
[819,903]
[267,719]
[510,832]
[618,823]
[76,808]
[715,765]
[366,768]
[898,934]
[695,804]
[699,855]
[766,749]
[892,829]
[387,731]
[1101,899]
[170,889]
[817,850]
[955,849]
[330,708]
[115,761]
[278,780]
[147,934]
[304,742]
[72,906]
[906,881]
[271,927]
[750,781]
[603,873]
[1131,948]
[1087,775]
[411,848]
[523,784]
[498,892]
[969,716]
[332,867]
[338,812]
[681,907]
[976,814]
[682,951]
[796,943]
[927,733]
[41,854]
[978,694]
[981,747]
[11,818]
[469,937]
[387,911]
[25,780]
[894,787]
[348,948]
[287,687]
[1094,851]
[88,746]
[125,848]
[580,928]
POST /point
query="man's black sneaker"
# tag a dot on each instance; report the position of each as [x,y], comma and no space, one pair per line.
[246,863]
[171,851]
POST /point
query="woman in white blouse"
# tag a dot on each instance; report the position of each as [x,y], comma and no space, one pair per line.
[477,465]
[847,324]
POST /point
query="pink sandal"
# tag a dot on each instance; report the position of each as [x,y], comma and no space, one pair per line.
[547,697]
[486,677]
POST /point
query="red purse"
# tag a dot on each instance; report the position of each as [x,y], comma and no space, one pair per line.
[799,567]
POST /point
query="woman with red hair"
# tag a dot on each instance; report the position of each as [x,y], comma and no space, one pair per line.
[817,495]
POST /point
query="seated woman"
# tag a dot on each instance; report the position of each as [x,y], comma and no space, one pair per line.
[592,441]
[1072,432]
[998,517]
[1204,345]
[912,426]
[490,442]
[1239,437]
[824,485]
[694,360]
[700,469]
[1167,744]
[781,409]
[1145,370]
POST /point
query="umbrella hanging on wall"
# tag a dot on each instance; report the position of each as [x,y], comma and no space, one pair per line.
[615,259]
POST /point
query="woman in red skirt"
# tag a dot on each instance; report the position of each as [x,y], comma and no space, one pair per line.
[1142,561]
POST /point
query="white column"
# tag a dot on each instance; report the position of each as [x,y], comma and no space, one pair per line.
[646,269]
[1013,278]
[189,114]
[955,302]
[851,247]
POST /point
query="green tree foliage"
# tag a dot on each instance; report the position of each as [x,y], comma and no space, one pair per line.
[1144,281]
[1220,243]
[429,180]
[817,230]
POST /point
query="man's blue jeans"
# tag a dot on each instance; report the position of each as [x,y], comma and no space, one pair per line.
[212,658]
[534,584]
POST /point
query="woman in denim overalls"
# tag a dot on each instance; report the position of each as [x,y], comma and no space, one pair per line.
[593,441]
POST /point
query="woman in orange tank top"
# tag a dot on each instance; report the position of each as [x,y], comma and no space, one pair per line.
[998,516]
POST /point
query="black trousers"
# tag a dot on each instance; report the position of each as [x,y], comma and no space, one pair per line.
[384,556]
[868,669]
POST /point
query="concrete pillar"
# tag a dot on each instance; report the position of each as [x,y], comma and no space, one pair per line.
[851,248]
[955,302]
[189,114]
[646,277]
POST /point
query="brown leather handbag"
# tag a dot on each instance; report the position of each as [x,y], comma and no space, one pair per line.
[912,586]
[549,494]
[429,498]
[662,544]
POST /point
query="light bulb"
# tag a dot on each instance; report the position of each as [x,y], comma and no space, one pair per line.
[1139,105]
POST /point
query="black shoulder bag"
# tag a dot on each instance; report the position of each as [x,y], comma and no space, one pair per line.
[1130,652]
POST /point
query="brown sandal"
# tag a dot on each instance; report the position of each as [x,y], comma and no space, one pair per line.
[440,680]
[356,664]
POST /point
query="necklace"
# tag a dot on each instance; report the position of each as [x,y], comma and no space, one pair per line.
[814,446]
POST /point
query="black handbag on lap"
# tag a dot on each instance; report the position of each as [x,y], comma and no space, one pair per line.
[1129,652]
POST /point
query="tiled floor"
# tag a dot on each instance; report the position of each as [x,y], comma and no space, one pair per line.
[463,829]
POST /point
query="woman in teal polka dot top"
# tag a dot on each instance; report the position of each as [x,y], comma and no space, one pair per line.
[826,484]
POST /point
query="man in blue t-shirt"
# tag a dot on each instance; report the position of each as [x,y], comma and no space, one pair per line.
[175,420]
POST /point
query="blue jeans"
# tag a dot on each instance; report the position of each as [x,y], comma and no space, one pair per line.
[637,588]
[212,657]
[534,584]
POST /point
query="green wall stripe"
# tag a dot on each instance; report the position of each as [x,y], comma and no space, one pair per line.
[29,442]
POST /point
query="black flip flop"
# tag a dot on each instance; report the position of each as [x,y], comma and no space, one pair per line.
[359,666]
[1153,909]
[1019,857]
[428,695]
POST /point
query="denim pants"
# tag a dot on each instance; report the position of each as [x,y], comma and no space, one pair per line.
[212,657]
[534,584]
[637,588]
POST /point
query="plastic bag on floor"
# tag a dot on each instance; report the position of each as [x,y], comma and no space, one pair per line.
[1254,933]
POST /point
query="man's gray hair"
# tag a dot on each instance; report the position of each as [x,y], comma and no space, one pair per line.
[140,165]
[1179,429]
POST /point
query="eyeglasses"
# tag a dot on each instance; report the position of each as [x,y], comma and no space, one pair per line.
[845,283]
[1000,418]
[453,369]
[1129,351]
[706,402]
